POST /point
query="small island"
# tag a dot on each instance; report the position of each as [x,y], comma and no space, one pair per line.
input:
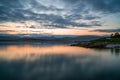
[106,42]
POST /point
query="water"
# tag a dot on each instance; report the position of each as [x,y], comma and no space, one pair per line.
[58,62]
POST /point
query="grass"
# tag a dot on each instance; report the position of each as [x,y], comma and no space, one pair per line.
[112,40]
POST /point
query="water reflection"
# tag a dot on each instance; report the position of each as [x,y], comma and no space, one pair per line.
[115,51]
[28,51]
[57,63]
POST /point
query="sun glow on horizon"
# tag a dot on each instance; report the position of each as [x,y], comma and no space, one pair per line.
[31,27]
[56,31]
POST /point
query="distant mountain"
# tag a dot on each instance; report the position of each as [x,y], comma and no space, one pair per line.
[39,38]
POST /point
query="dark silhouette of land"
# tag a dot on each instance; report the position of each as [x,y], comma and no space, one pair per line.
[106,42]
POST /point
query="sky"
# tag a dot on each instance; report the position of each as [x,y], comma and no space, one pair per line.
[59,17]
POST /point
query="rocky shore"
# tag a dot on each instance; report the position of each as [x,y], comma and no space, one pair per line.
[97,45]
[106,42]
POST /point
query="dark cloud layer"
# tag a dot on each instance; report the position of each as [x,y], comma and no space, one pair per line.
[111,6]
[107,30]
[78,13]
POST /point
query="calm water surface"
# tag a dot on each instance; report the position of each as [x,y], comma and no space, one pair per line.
[58,62]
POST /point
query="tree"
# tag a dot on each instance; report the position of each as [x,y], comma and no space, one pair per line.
[112,35]
[115,35]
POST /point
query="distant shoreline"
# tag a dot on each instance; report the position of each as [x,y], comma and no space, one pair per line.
[100,43]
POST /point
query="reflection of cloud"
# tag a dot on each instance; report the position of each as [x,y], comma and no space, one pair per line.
[57,67]
[57,63]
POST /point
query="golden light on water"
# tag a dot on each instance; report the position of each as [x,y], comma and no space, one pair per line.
[30,52]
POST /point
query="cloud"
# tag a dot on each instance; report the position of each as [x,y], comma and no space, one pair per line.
[110,6]
[57,13]
[107,30]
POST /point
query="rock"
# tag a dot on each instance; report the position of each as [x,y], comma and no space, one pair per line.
[113,46]
[97,45]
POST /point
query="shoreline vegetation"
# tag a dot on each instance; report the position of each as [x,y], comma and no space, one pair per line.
[107,42]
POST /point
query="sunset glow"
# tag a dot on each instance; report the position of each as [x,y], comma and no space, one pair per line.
[59,39]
